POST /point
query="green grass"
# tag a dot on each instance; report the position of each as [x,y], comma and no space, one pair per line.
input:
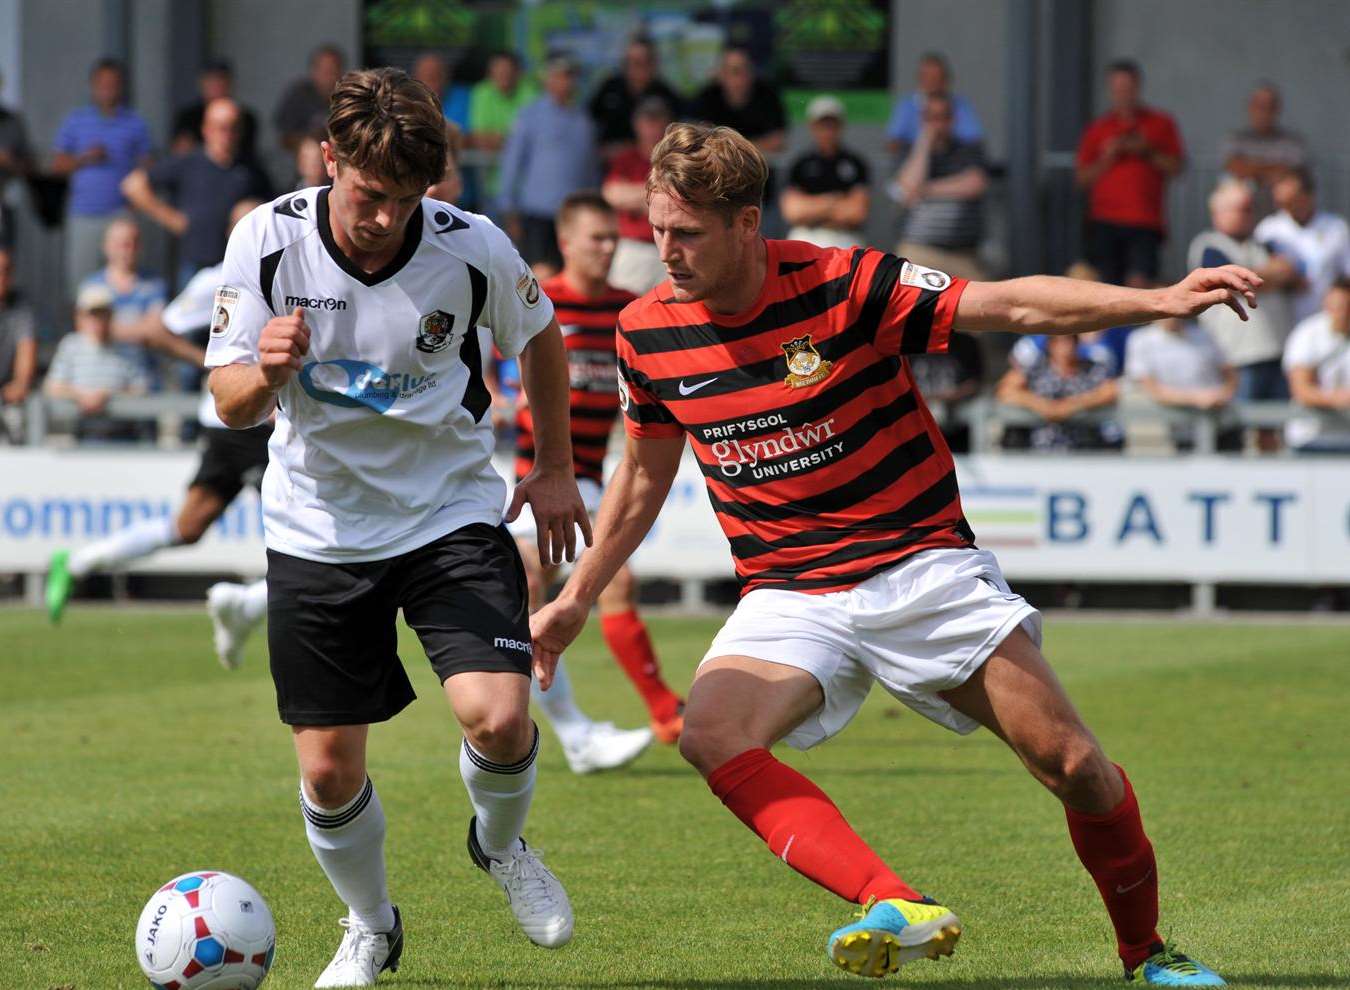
[127,756]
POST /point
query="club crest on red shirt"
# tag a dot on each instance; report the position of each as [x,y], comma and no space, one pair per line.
[805,365]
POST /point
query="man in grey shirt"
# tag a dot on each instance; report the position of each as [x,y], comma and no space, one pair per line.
[550,153]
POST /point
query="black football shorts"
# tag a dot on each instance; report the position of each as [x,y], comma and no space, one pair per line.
[332,635]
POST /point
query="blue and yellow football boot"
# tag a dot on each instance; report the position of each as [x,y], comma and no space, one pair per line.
[892,932]
[1169,968]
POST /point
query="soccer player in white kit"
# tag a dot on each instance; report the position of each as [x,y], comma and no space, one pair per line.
[351,312]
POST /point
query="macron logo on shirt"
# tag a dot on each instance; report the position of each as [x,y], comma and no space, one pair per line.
[305,302]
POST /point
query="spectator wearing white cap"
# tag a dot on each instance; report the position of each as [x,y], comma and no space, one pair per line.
[89,370]
[826,199]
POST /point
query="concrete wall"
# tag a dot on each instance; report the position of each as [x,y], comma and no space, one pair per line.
[269,44]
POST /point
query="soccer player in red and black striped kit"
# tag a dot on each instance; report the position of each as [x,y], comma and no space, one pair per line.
[784,365]
[588,309]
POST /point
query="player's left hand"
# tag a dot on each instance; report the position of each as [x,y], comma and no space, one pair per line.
[552,630]
[1230,285]
[558,511]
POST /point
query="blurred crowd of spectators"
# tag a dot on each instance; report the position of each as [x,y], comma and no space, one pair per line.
[533,143]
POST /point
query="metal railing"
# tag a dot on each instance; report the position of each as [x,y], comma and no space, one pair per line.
[44,417]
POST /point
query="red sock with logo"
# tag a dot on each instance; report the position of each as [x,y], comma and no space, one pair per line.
[804,828]
[1117,853]
[626,636]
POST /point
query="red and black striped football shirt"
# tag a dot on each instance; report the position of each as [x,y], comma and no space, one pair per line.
[588,334]
[822,462]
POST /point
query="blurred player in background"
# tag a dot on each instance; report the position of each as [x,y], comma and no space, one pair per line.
[783,366]
[230,460]
[588,307]
[352,311]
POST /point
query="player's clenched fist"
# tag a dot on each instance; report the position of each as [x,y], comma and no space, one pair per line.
[282,345]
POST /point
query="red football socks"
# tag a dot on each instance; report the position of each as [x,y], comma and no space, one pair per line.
[804,828]
[1117,853]
[626,635]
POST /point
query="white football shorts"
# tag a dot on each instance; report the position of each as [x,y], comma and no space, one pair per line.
[922,627]
[523,527]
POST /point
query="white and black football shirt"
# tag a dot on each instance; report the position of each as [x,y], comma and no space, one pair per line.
[383,440]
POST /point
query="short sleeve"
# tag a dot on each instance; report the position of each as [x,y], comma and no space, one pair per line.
[191,309]
[797,173]
[238,309]
[141,144]
[516,308]
[1090,147]
[901,307]
[65,141]
[1170,138]
[864,173]
[22,324]
[644,416]
[1299,349]
[1137,364]
[60,368]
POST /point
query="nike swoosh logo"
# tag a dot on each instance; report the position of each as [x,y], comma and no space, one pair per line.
[1126,890]
[691,389]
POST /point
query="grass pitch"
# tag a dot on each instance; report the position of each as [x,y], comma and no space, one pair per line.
[128,756]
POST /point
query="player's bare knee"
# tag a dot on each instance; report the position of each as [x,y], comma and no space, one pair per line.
[190,531]
[331,781]
[1075,769]
[503,734]
[708,745]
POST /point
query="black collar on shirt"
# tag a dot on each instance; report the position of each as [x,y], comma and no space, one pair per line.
[412,236]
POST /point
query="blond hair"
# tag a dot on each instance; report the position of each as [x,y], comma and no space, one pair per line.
[385,122]
[714,168]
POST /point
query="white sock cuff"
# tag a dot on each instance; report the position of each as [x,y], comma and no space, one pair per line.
[331,818]
[481,762]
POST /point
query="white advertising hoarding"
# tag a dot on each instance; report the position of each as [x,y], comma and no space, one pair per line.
[1052,518]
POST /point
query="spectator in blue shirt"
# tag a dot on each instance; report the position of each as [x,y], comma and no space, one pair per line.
[934,79]
[550,153]
[97,146]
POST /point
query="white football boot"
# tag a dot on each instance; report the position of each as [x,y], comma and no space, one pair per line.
[604,748]
[363,955]
[536,896]
[230,626]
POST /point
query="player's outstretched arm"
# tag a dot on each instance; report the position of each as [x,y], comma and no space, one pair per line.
[245,394]
[1048,304]
[551,485]
[633,498]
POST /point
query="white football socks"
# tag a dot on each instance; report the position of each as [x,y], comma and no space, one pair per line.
[348,842]
[135,541]
[500,796]
[253,601]
[558,703]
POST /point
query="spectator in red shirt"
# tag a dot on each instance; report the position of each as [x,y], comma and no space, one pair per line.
[637,263]
[1124,161]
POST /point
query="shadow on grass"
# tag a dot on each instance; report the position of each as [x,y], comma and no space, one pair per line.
[1063,981]
[833,771]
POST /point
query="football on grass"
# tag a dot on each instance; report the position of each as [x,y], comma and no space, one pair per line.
[205,931]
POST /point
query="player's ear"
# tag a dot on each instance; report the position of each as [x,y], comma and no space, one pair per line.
[747,221]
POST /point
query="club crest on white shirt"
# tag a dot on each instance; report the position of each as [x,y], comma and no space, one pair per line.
[433,331]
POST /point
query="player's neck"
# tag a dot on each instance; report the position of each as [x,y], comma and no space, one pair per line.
[367,261]
[585,286]
[741,292]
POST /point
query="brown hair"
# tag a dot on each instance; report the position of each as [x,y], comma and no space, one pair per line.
[586,199]
[385,122]
[710,167]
